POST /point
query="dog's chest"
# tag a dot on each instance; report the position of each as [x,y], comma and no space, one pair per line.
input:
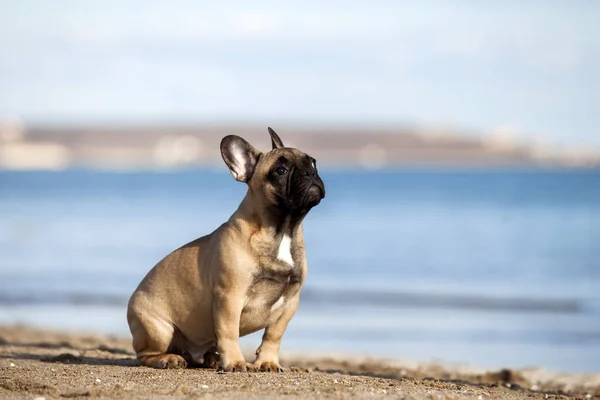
[271,287]
[265,301]
[276,282]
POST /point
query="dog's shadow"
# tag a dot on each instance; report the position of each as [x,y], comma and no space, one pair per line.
[87,356]
[77,355]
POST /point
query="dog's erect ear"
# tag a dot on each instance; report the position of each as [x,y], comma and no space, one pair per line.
[275,140]
[240,156]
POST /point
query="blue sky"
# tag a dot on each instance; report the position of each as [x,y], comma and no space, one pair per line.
[525,68]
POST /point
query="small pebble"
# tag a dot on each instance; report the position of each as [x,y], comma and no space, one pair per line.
[39,398]
[12,364]
[384,391]
[204,386]
[98,380]
[335,381]
[588,396]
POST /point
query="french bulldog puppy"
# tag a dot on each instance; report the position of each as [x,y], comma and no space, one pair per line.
[195,304]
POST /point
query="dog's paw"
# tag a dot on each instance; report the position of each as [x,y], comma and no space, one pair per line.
[212,360]
[170,361]
[238,366]
[268,366]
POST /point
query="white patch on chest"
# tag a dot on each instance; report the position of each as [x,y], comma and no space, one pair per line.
[285,250]
[278,303]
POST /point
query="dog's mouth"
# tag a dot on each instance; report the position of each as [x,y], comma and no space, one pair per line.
[313,196]
[303,195]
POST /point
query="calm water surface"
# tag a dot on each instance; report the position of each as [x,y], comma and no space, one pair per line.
[489,268]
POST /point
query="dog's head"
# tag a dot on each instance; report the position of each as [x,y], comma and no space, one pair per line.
[283,179]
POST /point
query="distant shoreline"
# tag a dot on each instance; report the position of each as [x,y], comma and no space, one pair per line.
[156,147]
[328,168]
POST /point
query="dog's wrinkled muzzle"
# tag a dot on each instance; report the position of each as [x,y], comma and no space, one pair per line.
[313,196]
[307,189]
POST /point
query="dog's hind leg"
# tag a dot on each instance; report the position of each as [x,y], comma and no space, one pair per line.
[212,359]
[153,341]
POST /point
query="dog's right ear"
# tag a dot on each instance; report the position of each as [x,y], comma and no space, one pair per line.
[240,156]
[275,139]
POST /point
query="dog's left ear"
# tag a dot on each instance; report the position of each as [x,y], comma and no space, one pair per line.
[275,140]
[240,156]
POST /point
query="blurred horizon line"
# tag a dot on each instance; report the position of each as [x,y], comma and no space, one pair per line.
[346,297]
[127,145]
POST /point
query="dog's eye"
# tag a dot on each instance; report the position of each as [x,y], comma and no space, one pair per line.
[281,171]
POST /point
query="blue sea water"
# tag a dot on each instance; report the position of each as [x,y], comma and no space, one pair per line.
[491,268]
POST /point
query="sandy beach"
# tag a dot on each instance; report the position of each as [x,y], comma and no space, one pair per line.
[38,363]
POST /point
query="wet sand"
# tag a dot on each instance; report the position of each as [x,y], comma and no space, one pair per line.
[38,363]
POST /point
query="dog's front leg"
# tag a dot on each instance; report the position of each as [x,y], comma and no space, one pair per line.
[228,307]
[267,355]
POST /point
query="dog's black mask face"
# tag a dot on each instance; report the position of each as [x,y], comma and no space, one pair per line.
[296,182]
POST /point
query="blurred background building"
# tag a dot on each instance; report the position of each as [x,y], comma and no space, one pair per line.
[459,142]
